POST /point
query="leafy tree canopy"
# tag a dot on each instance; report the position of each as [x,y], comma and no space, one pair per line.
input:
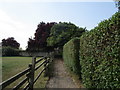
[11,42]
[39,42]
[62,33]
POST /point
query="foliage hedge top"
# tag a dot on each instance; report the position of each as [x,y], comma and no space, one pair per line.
[71,55]
[100,54]
[9,51]
[62,32]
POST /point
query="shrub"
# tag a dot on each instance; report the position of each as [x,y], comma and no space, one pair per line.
[9,51]
[71,55]
[100,55]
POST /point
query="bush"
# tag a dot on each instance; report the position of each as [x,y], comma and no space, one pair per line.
[100,55]
[71,55]
[9,51]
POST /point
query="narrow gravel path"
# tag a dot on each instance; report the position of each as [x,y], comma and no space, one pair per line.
[61,78]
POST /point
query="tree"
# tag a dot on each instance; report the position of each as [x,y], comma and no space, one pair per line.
[62,33]
[117,4]
[39,42]
[10,51]
[10,47]
[11,42]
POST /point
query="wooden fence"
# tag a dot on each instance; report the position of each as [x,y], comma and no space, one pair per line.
[29,73]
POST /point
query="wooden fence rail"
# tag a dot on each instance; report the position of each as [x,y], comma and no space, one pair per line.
[29,72]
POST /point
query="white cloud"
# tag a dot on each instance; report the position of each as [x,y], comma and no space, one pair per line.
[10,27]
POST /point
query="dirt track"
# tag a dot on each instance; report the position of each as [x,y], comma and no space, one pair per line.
[61,78]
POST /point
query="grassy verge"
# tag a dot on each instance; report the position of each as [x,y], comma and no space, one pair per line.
[14,65]
[75,77]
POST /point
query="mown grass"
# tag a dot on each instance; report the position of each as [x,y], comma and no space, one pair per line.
[14,65]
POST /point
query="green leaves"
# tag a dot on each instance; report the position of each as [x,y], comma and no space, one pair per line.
[100,55]
[9,51]
[63,32]
[71,55]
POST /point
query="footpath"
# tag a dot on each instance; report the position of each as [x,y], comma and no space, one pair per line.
[60,77]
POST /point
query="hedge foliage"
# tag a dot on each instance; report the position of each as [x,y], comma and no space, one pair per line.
[71,55]
[9,51]
[100,54]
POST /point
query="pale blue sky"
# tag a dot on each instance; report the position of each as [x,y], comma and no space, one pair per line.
[20,20]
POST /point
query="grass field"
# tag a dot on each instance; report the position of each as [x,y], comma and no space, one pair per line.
[14,65]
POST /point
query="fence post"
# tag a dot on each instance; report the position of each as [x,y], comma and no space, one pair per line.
[31,79]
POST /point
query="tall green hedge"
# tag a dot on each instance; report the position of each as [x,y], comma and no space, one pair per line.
[9,51]
[71,55]
[100,54]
